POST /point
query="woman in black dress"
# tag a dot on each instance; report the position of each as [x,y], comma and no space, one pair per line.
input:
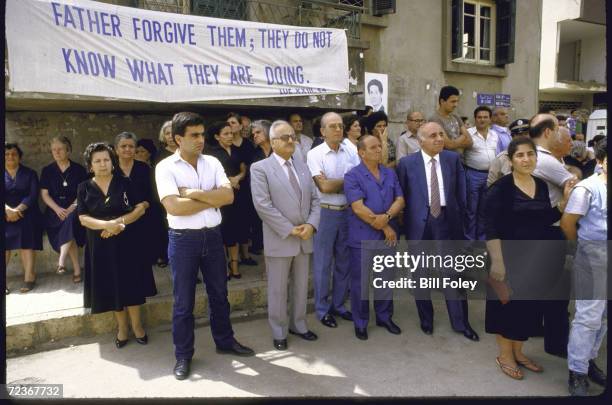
[241,139]
[23,231]
[139,174]
[58,189]
[158,212]
[219,140]
[116,278]
[518,209]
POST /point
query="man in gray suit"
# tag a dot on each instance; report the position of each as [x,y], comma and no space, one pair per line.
[287,203]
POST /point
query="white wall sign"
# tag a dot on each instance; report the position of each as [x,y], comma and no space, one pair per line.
[81,47]
[376,91]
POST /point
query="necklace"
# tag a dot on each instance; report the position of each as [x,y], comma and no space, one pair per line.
[65,182]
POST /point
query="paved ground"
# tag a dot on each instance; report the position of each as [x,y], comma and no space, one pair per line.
[57,296]
[411,364]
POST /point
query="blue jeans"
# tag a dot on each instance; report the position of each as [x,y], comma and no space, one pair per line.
[330,244]
[476,183]
[190,251]
[590,319]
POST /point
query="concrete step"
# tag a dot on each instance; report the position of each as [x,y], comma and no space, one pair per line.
[54,311]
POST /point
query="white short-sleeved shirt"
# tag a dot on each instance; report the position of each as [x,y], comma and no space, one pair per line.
[482,152]
[553,173]
[334,165]
[174,172]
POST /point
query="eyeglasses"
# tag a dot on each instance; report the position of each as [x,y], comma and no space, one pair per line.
[286,137]
[335,126]
[421,121]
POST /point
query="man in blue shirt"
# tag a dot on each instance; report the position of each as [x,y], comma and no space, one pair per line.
[376,198]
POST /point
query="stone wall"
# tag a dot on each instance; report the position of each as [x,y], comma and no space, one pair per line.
[33,131]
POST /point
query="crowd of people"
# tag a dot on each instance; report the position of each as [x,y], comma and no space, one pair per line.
[212,195]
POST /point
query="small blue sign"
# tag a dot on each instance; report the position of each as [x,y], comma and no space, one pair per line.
[503,100]
[485,99]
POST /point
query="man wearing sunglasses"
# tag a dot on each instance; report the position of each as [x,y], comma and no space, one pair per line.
[287,203]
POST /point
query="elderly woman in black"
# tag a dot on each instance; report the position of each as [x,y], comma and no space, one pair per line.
[518,215]
[58,189]
[219,143]
[22,231]
[116,278]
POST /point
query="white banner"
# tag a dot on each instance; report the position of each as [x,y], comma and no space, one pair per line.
[81,47]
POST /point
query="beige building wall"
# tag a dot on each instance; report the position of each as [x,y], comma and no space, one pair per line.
[410,51]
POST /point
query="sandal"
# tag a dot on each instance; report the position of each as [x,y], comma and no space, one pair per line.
[530,365]
[76,278]
[512,372]
[60,270]
[27,286]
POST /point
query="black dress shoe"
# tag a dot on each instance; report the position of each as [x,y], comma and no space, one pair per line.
[428,330]
[120,343]
[361,333]
[182,369]
[310,335]
[470,334]
[329,321]
[346,315]
[391,327]
[280,344]
[237,349]
[143,340]
[596,374]
[577,384]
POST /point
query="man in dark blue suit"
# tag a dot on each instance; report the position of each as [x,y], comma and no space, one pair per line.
[433,181]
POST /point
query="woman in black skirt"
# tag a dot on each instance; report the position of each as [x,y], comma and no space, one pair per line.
[58,189]
[219,140]
[116,276]
[518,216]
[23,231]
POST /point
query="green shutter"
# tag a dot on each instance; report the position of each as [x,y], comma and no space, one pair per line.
[457,29]
[504,38]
